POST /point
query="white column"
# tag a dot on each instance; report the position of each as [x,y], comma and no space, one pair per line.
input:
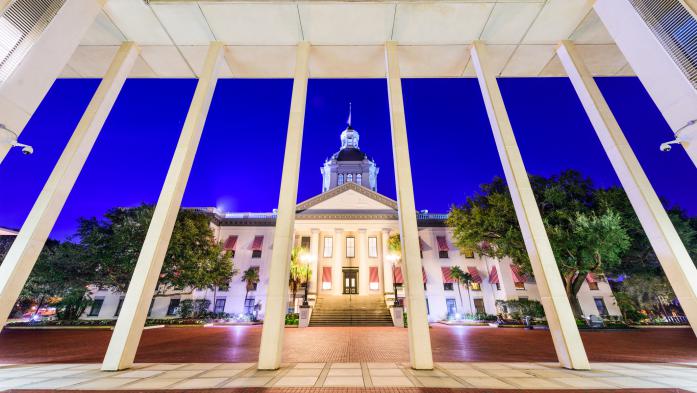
[337,268]
[129,326]
[26,248]
[562,324]
[363,270]
[671,252]
[274,321]
[387,279]
[314,253]
[670,89]
[419,339]
[26,87]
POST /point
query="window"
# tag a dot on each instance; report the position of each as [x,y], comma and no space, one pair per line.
[328,246]
[257,246]
[326,277]
[256,253]
[350,247]
[442,254]
[349,177]
[373,275]
[468,253]
[96,307]
[219,306]
[359,177]
[479,306]
[442,247]
[118,308]
[448,286]
[248,305]
[341,179]
[600,304]
[373,247]
[173,308]
[498,286]
[451,306]
[305,243]
[593,286]
[475,286]
[520,285]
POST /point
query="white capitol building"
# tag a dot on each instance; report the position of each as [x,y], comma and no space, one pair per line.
[345,229]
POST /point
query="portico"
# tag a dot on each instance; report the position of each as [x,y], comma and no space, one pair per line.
[308,39]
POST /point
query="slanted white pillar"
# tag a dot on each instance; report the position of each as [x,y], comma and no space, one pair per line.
[26,87]
[129,326]
[26,248]
[420,354]
[274,320]
[562,324]
[314,262]
[363,270]
[387,279]
[337,267]
[671,252]
[669,87]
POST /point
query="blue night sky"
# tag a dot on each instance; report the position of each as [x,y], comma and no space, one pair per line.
[238,165]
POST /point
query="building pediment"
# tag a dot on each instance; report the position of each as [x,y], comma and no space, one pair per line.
[348,198]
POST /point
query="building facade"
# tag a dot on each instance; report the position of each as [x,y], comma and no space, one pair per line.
[344,232]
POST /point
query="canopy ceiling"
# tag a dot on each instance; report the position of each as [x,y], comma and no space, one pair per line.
[347,37]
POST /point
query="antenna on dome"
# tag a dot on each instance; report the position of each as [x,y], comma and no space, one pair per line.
[348,121]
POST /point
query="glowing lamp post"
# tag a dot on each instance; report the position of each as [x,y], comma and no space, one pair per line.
[393,258]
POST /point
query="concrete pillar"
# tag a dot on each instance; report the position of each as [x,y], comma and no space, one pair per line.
[674,94]
[387,279]
[26,87]
[420,354]
[337,267]
[562,324]
[314,264]
[129,326]
[671,252]
[26,248]
[363,270]
[274,321]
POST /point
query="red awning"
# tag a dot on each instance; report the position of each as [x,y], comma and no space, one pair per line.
[423,272]
[493,276]
[518,276]
[374,275]
[230,243]
[398,278]
[442,243]
[422,243]
[447,277]
[258,243]
[591,278]
[326,274]
[475,274]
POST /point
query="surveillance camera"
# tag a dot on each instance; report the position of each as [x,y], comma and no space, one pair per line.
[27,150]
[665,146]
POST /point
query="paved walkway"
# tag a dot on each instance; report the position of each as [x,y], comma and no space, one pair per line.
[358,344]
[350,375]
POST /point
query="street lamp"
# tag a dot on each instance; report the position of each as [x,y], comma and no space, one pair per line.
[306,259]
[393,258]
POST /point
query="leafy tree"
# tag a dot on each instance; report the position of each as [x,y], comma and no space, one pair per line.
[394,244]
[647,292]
[193,258]
[585,237]
[462,278]
[299,273]
[250,277]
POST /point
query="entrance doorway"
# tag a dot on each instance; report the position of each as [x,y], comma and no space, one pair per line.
[350,281]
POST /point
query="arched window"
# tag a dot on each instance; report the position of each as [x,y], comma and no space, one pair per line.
[349,177]
[359,177]
[341,179]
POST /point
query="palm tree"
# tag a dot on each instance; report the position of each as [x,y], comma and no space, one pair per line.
[297,274]
[462,277]
[251,278]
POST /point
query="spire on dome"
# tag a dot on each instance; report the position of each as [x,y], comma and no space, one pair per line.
[348,121]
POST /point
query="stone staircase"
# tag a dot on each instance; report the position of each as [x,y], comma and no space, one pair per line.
[350,310]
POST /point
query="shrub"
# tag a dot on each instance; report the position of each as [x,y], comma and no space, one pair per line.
[292,319]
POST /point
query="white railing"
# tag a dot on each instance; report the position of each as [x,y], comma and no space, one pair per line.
[21,25]
[675,28]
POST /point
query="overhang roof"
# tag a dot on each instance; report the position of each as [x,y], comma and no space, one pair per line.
[347,37]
